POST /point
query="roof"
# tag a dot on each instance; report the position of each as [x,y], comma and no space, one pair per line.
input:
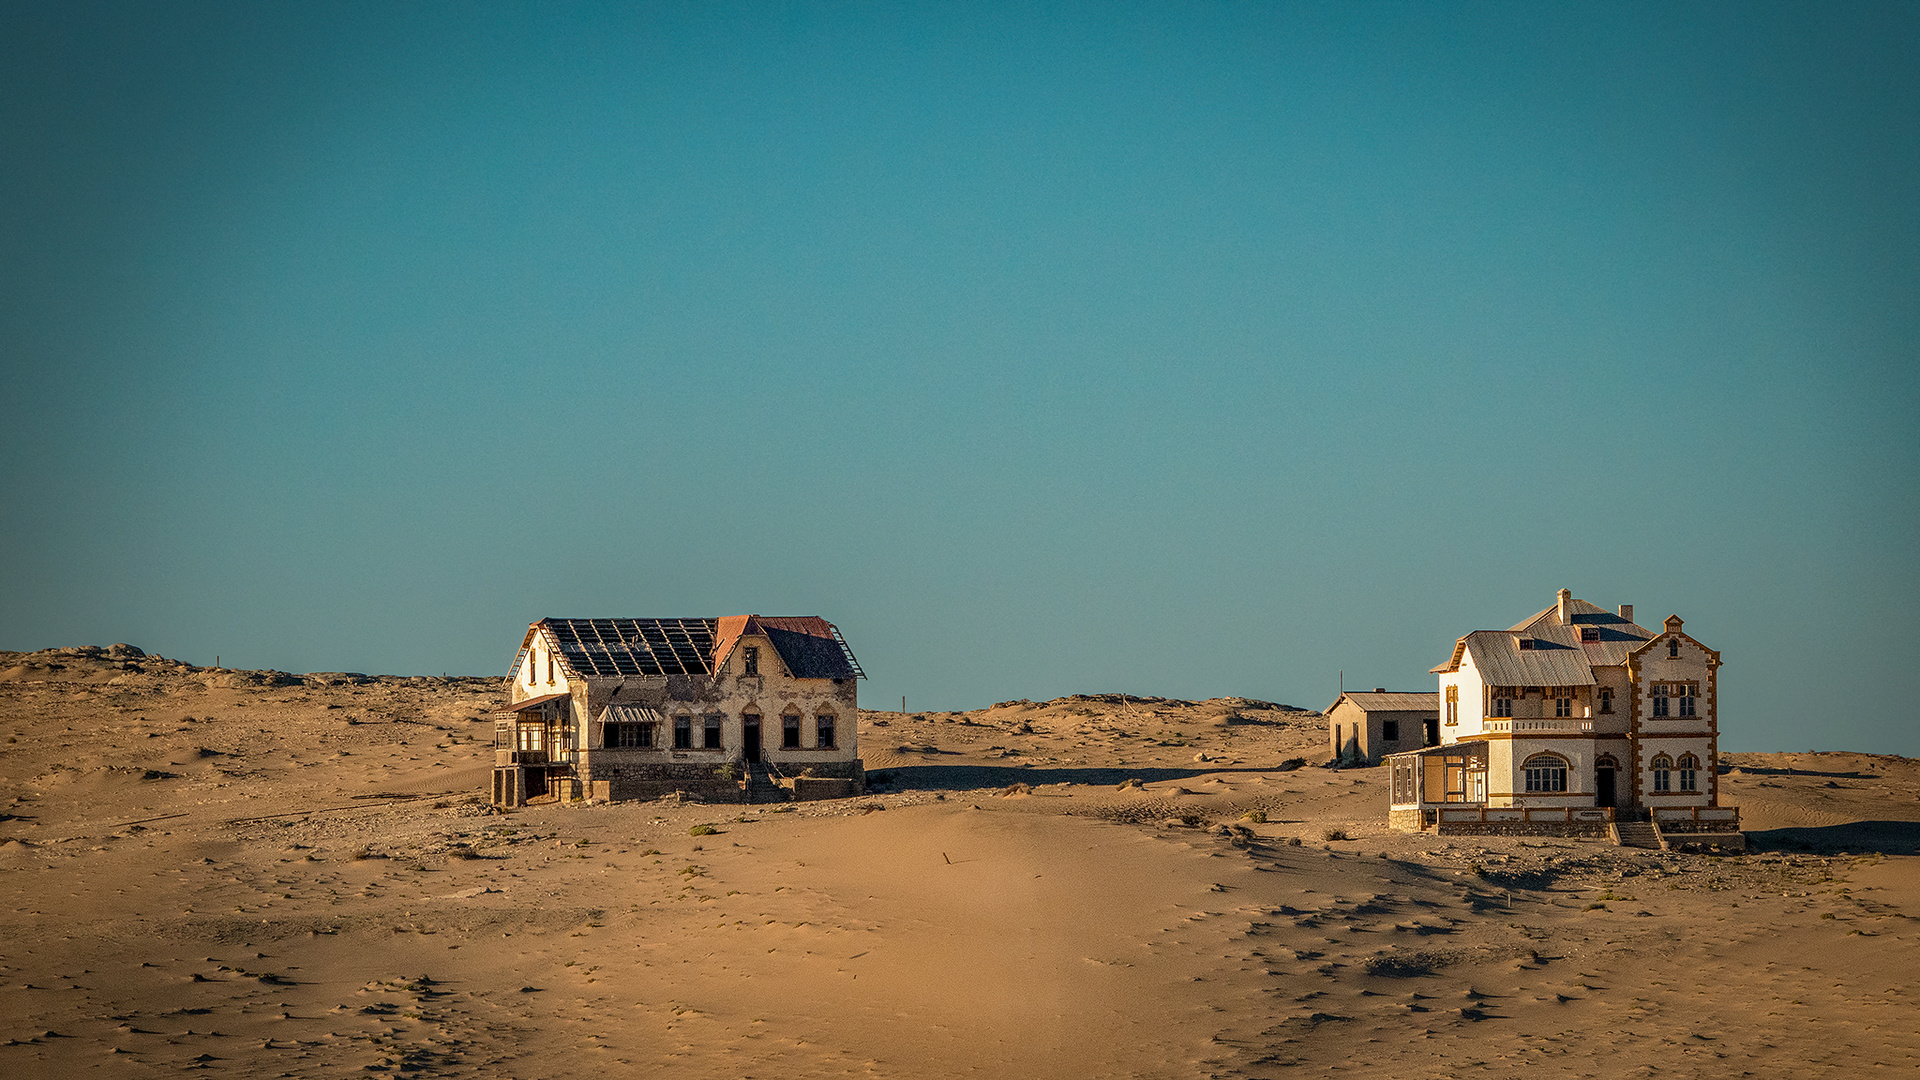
[1554,659]
[811,647]
[1391,701]
[532,702]
[1618,637]
[630,714]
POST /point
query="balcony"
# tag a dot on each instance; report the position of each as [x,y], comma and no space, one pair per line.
[1516,725]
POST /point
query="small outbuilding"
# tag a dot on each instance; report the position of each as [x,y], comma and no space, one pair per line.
[1364,727]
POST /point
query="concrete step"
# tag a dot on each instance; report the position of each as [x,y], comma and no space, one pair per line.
[1637,834]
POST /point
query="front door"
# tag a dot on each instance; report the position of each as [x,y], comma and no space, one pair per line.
[1603,787]
[751,733]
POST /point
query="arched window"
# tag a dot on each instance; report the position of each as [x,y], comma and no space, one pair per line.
[1689,773]
[1546,773]
[1662,773]
[1673,646]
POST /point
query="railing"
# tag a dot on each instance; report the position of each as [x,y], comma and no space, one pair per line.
[1519,725]
[1461,814]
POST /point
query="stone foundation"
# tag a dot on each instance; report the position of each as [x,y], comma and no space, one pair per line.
[1589,829]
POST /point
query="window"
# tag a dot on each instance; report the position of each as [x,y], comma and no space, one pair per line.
[683,733]
[629,736]
[823,731]
[1589,633]
[753,660]
[549,667]
[1662,773]
[1390,730]
[1685,693]
[1503,701]
[790,732]
[1562,701]
[1526,643]
[1606,700]
[712,732]
[1546,773]
[1661,706]
[1689,773]
[532,736]
[1673,647]
[1453,704]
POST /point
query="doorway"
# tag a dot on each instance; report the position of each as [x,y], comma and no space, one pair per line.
[1603,786]
[750,736]
[1433,732]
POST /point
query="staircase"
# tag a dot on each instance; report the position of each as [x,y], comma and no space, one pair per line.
[760,785]
[1639,834]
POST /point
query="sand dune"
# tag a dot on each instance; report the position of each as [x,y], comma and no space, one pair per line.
[261,874]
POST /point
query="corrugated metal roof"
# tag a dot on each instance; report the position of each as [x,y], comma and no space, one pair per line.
[1615,638]
[630,714]
[1555,659]
[1392,701]
[532,702]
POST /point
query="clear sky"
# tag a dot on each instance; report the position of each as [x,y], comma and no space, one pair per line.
[1189,349]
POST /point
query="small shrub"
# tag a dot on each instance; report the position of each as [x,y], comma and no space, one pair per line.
[1334,834]
[1294,841]
[1293,763]
[1258,817]
[363,853]
[702,830]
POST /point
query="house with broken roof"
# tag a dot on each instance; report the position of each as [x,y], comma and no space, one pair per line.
[1575,721]
[741,708]
[1364,727]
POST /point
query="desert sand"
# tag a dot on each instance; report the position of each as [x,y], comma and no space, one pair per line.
[257,874]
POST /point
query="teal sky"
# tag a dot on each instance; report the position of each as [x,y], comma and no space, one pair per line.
[1189,349]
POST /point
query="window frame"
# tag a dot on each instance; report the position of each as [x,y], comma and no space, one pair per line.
[790,731]
[683,732]
[1662,769]
[825,727]
[628,735]
[750,660]
[1544,774]
[1503,701]
[712,736]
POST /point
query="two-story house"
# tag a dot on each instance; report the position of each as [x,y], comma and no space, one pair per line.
[1570,721]
[740,707]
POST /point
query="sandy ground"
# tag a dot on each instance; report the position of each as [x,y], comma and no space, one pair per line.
[261,875]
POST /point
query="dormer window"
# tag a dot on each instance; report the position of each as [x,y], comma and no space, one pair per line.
[1589,633]
[753,660]
[1526,643]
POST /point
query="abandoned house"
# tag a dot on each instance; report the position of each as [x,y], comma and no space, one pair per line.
[745,708]
[1575,721]
[1364,727]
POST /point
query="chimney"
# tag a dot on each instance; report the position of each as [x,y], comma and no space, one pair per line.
[1379,689]
[1564,597]
[1626,612]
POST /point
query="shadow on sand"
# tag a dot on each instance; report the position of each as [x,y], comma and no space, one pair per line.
[1855,837]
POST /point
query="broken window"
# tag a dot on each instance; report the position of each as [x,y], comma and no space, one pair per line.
[1390,730]
[752,660]
[683,733]
[629,736]
[712,732]
[823,731]
[790,732]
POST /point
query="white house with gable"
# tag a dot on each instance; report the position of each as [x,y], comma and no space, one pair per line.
[1573,721]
